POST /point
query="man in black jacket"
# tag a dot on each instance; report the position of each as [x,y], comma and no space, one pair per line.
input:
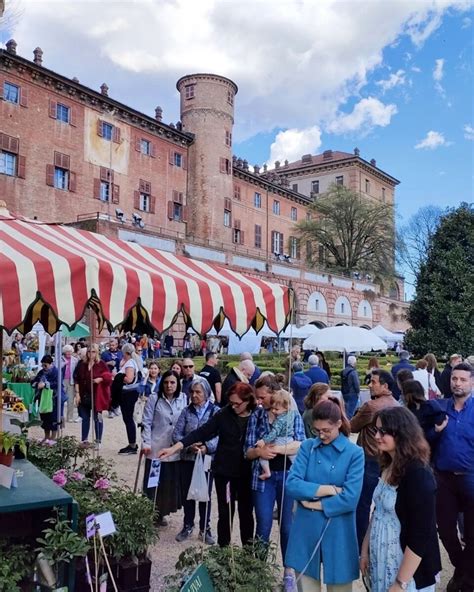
[445,378]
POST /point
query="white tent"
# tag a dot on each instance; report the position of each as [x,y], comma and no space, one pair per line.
[387,335]
[226,331]
[295,332]
[345,339]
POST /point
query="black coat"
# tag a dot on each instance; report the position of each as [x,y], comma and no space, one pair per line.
[415,508]
[445,381]
[229,460]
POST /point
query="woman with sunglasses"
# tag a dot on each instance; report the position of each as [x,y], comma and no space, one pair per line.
[400,549]
[231,470]
[326,481]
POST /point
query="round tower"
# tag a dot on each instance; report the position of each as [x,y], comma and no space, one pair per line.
[207,111]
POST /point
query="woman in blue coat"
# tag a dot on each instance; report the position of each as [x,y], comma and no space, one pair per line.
[326,481]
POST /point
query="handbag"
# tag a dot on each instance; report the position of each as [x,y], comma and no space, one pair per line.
[46,401]
[198,489]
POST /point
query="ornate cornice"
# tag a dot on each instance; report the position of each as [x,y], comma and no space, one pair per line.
[73,89]
[266,185]
[189,78]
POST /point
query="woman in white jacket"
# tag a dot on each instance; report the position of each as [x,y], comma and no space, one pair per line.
[161,413]
[426,379]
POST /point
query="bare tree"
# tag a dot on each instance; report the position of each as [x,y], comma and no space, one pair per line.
[348,232]
[415,238]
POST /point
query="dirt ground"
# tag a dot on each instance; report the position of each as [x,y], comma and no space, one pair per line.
[165,553]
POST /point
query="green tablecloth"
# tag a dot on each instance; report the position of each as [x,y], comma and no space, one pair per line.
[23,390]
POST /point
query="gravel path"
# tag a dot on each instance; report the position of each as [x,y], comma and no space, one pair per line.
[165,553]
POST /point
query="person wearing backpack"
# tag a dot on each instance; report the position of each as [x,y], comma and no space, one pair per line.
[350,386]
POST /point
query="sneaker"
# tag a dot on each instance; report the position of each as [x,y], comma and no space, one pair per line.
[184,534]
[163,521]
[289,583]
[78,420]
[207,537]
[111,415]
[128,450]
[116,411]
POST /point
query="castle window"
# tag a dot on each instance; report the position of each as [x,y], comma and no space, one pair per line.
[383,194]
[189,91]
[257,200]
[294,214]
[228,138]
[258,236]
[230,97]
[340,180]
[237,192]
[11,93]
[294,247]
[294,187]
[367,186]
[225,166]
[11,163]
[7,164]
[277,242]
[143,199]
[276,207]
[61,178]
[145,147]
[63,113]
[59,175]
[109,132]
[314,186]
[227,217]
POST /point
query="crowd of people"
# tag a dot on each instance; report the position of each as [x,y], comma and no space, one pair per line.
[282,444]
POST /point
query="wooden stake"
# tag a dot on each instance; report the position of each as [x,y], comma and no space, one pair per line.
[107,562]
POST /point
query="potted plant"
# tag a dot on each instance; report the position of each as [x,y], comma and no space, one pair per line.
[24,427]
[8,441]
[16,567]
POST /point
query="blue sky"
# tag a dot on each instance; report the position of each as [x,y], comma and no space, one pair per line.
[392,77]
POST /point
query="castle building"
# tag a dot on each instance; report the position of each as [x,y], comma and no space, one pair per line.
[73,155]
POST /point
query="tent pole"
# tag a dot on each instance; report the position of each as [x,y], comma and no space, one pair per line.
[1,378]
[93,430]
[59,388]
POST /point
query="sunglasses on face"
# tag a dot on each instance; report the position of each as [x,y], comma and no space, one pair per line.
[191,366]
[383,432]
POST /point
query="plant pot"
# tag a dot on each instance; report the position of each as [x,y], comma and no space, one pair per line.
[19,454]
[130,576]
[6,458]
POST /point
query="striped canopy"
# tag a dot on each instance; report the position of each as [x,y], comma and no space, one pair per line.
[52,273]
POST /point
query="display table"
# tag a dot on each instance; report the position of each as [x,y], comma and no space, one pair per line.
[7,416]
[23,390]
[35,492]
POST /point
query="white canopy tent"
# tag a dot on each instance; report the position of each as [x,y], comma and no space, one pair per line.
[387,335]
[344,339]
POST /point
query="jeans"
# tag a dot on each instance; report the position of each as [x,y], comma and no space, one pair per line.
[307,584]
[85,415]
[371,478]
[187,467]
[240,489]
[264,502]
[456,494]
[127,405]
[69,390]
[350,402]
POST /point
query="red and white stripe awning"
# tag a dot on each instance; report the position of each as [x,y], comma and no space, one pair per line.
[67,269]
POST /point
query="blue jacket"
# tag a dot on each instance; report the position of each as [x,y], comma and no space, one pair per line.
[317,374]
[339,463]
[353,382]
[300,385]
[402,365]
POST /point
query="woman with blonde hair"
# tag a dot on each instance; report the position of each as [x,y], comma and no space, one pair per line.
[320,391]
[371,365]
[432,368]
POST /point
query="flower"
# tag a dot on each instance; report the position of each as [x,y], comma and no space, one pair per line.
[60,477]
[77,476]
[102,483]
[49,442]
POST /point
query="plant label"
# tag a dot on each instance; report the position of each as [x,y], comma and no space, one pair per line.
[90,526]
[105,524]
[154,476]
[7,477]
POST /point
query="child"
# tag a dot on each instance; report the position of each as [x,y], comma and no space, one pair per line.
[282,431]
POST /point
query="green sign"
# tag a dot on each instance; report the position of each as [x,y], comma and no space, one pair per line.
[199,581]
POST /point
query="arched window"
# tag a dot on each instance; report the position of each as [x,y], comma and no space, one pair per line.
[343,307]
[317,303]
[364,309]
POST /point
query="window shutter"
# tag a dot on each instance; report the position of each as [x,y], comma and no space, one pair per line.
[97,188]
[136,200]
[106,174]
[170,210]
[298,254]
[152,204]
[141,186]
[116,134]
[152,150]
[21,167]
[138,144]
[24,96]
[184,162]
[227,204]
[99,128]
[171,157]
[273,240]
[280,245]
[62,160]
[58,159]
[52,108]
[72,181]
[66,161]
[222,165]
[147,187]
[72,116]
[175,196]
[2,80]
[115,194]
[184,215]
[242,237]
[237,224]
[12,143]
[50,175]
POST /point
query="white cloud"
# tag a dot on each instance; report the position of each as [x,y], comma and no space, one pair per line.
[469,132]
[466,22]
[366,114]
[431,141]
[291,144]
[438,75]
[397,79]
[415,69]
[296,63]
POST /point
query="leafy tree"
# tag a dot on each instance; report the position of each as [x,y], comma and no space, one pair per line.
[414,240]
[357,234]
[441,314]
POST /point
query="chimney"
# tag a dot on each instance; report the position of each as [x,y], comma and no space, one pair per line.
[277,164]
[38,56]
[11,46]
[239,163]
[286,162]
[158,113]
[265,168]
[357,151]
[373,162]
[245,165]
[306,158]
[75,79]
[327,154]
[104,89]
[256,169]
